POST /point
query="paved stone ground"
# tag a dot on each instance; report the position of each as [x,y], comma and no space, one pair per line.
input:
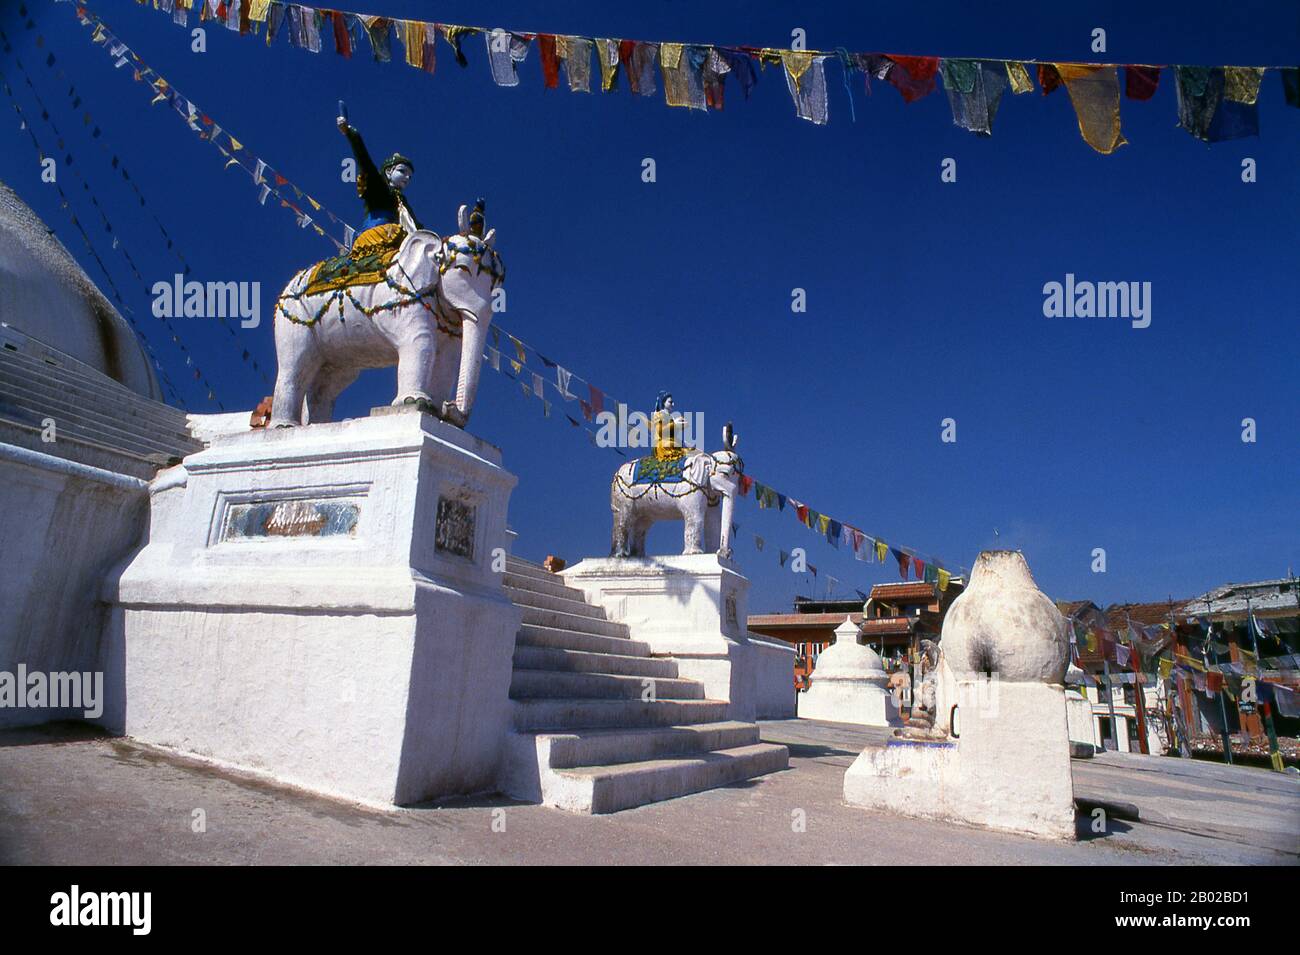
[70,796]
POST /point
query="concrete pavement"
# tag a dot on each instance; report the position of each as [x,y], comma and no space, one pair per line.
[71,796]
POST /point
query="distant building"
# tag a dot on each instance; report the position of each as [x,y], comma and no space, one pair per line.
[1268,649]
[894,619]
[1112,690]
[1203,692]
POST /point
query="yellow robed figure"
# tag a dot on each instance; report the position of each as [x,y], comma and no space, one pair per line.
[666,430]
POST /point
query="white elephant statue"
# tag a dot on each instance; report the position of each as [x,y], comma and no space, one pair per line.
[704,499]
[435,291]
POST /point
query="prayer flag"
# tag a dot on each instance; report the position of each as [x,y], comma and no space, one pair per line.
[912,76]
[1140,81]
[1094,91]
[1019,78]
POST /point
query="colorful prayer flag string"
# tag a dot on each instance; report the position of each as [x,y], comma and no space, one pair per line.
[236,153]
[1215,102]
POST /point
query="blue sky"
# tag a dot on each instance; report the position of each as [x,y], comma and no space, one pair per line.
[924,298]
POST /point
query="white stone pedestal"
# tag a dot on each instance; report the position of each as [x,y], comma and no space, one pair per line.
[848,684]
[692,607]
[1005,763]
[319,604]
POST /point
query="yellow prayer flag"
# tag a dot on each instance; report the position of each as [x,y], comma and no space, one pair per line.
[944,577]
[236,144]
[1019,77]
[258,10]
[823,523]
[796,63]
[1241,83]
[881,550]
[1094,91]
[413,39]
[607,54]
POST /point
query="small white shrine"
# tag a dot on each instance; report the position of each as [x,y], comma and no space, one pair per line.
[849,684]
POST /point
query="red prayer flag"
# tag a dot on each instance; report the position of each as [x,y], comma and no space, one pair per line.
[550,60]
[918,566]
[342,42]
[1048,78]
[597,399]
[1140,81]
[746,482]
[913,76]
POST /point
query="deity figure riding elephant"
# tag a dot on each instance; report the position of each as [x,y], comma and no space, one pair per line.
[703,496]
[424,304]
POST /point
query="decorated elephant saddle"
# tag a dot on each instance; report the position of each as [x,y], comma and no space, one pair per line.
[372,255]
[652,470]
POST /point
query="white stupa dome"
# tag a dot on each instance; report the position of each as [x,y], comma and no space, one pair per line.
[46,295]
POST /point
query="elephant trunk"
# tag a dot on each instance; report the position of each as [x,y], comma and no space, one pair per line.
[473,335]
[728,509]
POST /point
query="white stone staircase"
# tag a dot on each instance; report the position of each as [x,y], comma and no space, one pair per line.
[98,420]
[584,738]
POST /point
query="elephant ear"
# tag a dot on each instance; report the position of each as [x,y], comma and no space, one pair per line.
[696,468]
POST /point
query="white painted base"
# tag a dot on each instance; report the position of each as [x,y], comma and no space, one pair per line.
[848,701]
[692,607]
[1078,715]
[1009,770]
[774,692]
[297,613]
[65,524]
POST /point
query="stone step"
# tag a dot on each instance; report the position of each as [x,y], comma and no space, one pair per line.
[563,685]
[111,391]
[560,620]
[551,714]
[74,413]
[77,432]
[582,661]
[535,585]
[532,635]
[526,568]
[610,746]
[601,789]
[565,604]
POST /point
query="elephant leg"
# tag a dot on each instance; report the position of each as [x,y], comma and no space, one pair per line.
[416,353]
[618,537]
[712,529]
[639,531]
[693,535]
[330,383]
[295,375]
